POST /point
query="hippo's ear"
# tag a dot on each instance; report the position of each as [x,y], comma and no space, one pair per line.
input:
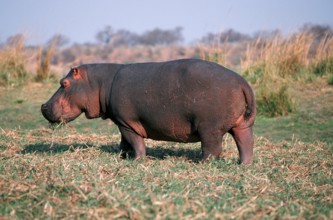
[76,73]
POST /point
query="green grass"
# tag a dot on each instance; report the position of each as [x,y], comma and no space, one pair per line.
[300,127]
[330,79]
[274,103]
[74,172]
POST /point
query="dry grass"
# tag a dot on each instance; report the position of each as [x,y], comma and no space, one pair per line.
[17,63]
[64,174]
[279,59]
[215,52]
[12,64]
[224,53]
[44,58]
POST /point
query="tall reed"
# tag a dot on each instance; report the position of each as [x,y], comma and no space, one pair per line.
[44,58]
[277,58]
[12,63]
[322,61]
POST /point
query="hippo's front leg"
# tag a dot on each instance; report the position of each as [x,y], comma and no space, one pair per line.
[125,148]
[130,140]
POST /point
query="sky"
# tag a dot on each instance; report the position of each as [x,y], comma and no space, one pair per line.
[80,20]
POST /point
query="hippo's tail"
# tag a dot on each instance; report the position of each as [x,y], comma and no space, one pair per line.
[250,102]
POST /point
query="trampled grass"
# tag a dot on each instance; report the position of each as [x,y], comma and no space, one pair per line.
[65,174]
[75,172]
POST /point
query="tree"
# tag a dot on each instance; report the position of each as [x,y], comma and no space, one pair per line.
[124,37]
[158,36]
[153,37]
[228,35]
[267,34]
[105,36]
[318,31]
[231,35]
[321,34]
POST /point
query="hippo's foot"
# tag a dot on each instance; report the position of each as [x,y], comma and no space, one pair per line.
[126,149]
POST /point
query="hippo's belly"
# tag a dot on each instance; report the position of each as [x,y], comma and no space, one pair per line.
[170,128]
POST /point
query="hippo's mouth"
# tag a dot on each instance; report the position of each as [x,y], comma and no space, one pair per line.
[56,119]
[49,115]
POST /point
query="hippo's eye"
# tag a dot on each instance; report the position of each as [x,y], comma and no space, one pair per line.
[64,83]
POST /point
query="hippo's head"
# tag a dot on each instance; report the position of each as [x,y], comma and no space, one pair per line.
[75,95]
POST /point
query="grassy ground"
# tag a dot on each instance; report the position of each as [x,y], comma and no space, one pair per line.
[313,120]
[75,172]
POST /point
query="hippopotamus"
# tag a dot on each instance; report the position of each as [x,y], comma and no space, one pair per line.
[186,100]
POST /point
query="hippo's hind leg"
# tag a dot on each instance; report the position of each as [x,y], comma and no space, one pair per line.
[211,143]
[244,141]
[131,140]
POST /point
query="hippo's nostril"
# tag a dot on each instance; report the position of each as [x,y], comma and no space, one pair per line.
[44,106]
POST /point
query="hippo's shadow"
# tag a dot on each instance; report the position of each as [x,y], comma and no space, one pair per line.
[54,148]
[162,153]
[158,152]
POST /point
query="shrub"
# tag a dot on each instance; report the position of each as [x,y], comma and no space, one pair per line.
[12,66]
[255,73]
[271,103]
[323,67]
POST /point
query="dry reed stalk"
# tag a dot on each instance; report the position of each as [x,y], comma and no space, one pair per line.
[324,50]
[278,57]
[44,58]
[12,63]
[322,61]
[216,52]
